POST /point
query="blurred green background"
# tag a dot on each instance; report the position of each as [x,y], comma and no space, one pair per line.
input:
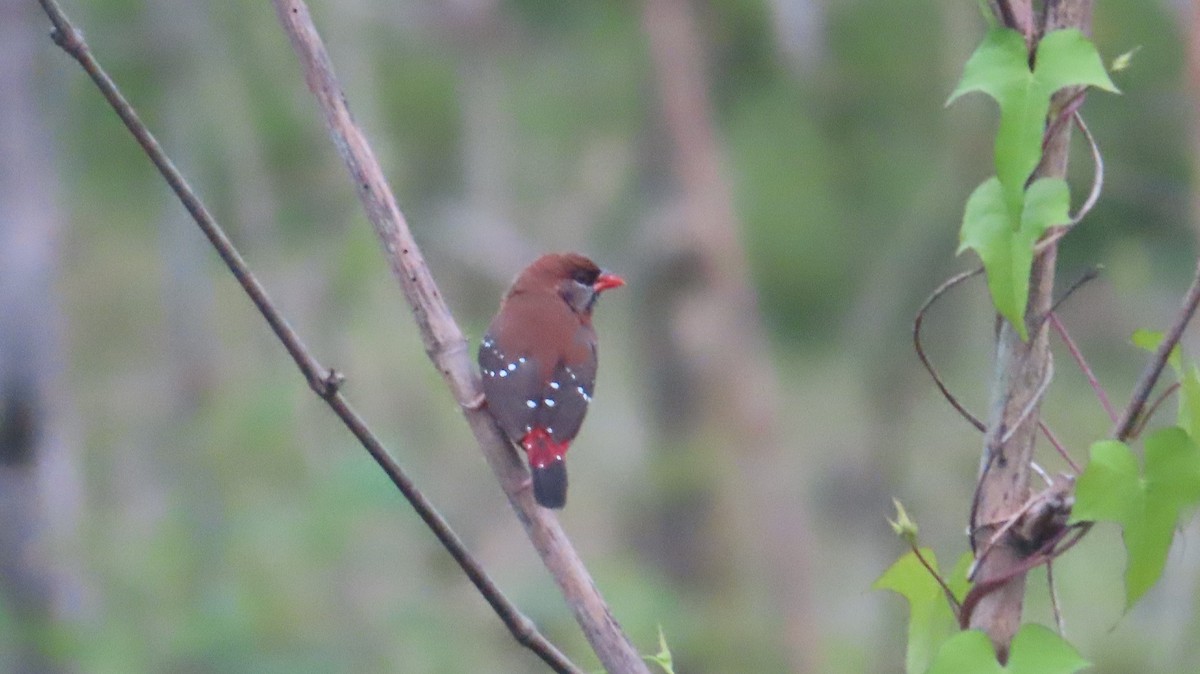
[759,403]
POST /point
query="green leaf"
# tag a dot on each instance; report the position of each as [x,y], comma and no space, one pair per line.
[1109,487]
[1000,68]
[1039,650]
[968,652]
[903,525]
[663,657]
[1007,251]
[931,619]
[1035,650]
[1172,469]
[1147,507]
[1067,58]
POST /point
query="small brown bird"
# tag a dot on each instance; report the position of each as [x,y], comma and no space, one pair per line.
[538,359]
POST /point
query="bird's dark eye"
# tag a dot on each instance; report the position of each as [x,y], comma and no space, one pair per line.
[585,277]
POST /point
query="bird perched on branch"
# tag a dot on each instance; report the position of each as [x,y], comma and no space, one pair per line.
[538,359]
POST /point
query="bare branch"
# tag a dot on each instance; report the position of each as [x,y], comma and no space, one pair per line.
[324,382]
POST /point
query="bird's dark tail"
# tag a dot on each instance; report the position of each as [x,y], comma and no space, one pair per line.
[550,484]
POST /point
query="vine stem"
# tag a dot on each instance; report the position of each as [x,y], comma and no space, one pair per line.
[1077,355]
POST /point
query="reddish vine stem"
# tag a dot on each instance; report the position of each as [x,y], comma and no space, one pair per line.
[1093,195]
[324,382]
[1077,355]
[1058,446]
[954,604]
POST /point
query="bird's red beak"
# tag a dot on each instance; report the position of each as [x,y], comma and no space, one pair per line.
[607,281]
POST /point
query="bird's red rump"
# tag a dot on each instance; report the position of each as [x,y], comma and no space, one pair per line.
[541,447]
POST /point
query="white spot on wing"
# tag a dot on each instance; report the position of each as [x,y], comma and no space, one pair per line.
[554,385]
[549,402]
[531,404]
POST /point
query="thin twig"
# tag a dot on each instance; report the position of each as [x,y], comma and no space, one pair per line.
[1058,232]
[324,382]
[1097,174]
[1033,402]
[918,320]
[1093,195]
[1037,468]
[1077,355]
[1153,370]
[1087,277]
[1059,621]
[1058,446]
[1064,116]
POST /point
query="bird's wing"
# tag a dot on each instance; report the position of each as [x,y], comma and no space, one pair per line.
[510,382]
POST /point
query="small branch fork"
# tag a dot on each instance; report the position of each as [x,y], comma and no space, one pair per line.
[326,384]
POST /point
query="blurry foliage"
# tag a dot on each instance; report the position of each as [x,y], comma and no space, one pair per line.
[229,525]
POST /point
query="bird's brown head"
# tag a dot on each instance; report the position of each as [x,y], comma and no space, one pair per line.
[573,277]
